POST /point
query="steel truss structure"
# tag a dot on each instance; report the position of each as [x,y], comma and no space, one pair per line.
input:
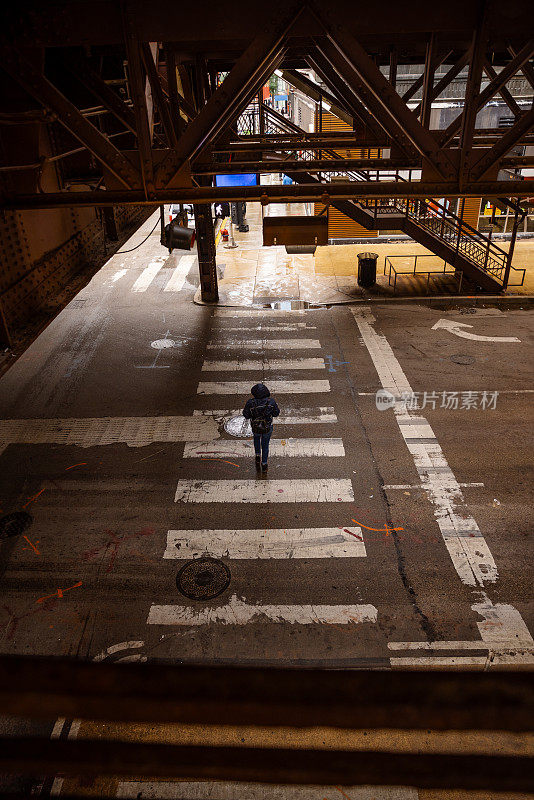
[175,119]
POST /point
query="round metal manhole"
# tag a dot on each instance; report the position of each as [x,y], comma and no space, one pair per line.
[162,344]
[14,524]
[203,579]
[463,359]
[238,426]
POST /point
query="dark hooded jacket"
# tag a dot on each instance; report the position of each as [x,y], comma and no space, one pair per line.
[259,392]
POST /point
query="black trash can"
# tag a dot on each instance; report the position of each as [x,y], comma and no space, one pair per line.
[367,269]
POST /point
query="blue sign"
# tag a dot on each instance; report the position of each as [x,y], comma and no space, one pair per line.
[281,97]
[246,179]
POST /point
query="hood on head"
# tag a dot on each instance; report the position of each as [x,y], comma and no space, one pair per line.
[259,391]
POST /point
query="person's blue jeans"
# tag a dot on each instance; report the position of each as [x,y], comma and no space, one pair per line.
[261,444]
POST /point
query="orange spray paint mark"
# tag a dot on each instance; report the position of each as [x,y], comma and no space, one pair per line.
[220,459]
[32,545]
[80,464]
[386,529]
[31,499]
[59,592]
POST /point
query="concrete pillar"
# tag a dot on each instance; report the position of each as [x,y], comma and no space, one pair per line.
[206,253]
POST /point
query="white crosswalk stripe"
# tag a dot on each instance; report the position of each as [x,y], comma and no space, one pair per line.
[244,448]
[256,312]
[147,276]
[267,544]
[93,431]
[177,279]
[267,344]
[279,365]
[311,490]
[295,326]
[289,416]
[238,612]
[276,387]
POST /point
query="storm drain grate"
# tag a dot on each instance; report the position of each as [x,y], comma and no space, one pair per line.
[203,578]
[463,359]
[14,524]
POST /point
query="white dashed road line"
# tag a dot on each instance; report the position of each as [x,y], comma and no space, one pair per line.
[463,539]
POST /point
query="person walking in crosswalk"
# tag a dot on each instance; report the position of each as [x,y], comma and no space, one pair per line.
[260,410]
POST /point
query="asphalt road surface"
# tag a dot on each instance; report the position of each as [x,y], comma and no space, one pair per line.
[386,532]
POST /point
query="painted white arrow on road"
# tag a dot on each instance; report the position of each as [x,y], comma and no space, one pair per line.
[455,327]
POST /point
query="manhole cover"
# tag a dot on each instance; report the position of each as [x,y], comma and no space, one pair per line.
[162,344]
[203,578]
[14,524]
[461,359]
[238,426]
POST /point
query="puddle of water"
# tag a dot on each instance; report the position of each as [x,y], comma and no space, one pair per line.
[292,305]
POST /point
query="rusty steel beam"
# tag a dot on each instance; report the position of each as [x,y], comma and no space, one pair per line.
[393,63]
[315,92]
[444,81]
[490,160]
[40,756]
[37,687]
[335,70]
[503,91]
[232,95]
[81,69]
[138,93]
[526,69]
[433,63]
[428,82]
[311,165]
[40,88]
[284,164]
[51,24]
[491,89]
[159,98]
[472,91]
[275,194]
[174,94]
[385,101]
[326,70]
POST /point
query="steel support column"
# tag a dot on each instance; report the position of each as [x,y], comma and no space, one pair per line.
[428,83]
[138,91]
[207,265]
[472,91]
[449,76]
[161,102]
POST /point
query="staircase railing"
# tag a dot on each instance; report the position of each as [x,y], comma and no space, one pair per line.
[432,216]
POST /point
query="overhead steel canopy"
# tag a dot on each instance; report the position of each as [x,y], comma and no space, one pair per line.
[166,121]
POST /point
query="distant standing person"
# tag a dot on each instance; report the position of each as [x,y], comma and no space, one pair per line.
[260,410]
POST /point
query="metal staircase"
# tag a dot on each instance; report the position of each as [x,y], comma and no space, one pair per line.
[431,224]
